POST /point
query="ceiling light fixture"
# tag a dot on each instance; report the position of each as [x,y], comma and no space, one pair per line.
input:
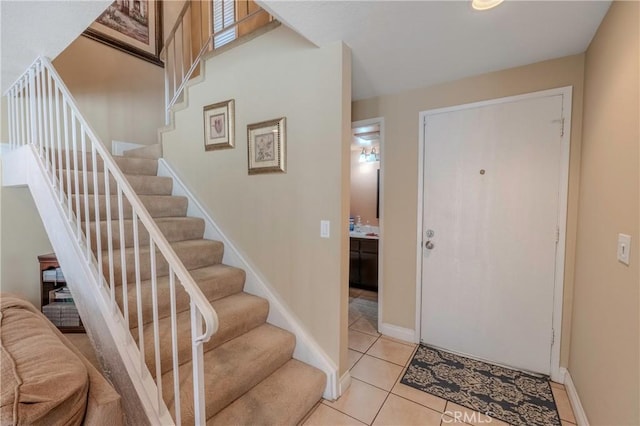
[485,4]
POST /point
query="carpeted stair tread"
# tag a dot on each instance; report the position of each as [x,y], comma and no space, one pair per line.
[249,374]
[141,184]
[150,185]
[215,281]
[137,166]
[237,314]
[283,398]
[150,151]
[232,369]
[173,228]
[128,165]
[157,205]
[194,254]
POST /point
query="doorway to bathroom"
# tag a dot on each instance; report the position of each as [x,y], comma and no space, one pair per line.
[366,233]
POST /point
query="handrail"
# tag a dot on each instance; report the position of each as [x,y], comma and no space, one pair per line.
[176,81]
[35,102]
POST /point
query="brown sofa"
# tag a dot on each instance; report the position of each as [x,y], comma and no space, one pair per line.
[45,379]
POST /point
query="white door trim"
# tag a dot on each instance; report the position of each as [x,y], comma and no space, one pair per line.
[369,122]
[566,92]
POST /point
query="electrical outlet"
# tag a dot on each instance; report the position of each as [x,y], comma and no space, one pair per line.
[624,246]
[325,229]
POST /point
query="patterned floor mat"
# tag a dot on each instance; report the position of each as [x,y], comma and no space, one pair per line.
[509,395]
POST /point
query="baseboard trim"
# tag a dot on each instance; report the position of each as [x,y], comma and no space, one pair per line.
[562,374]
[574,399]
[345,382]
[397,332]
[307,348]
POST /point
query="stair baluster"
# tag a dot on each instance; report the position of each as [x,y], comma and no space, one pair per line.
[43,114]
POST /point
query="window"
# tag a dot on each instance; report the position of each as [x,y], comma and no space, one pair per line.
[224,15]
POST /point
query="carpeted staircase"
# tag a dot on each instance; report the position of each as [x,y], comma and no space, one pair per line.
[250,375]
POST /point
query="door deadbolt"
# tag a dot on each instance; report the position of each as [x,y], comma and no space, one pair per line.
[429,245]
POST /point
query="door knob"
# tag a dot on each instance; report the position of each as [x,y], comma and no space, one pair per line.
[429,245]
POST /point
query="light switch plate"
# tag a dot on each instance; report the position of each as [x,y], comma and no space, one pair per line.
[624,246]
[325,229]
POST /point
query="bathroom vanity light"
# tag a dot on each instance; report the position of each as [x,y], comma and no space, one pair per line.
[371,157]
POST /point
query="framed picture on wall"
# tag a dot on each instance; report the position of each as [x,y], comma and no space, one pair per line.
[267,146]
[132,26]
[219,125]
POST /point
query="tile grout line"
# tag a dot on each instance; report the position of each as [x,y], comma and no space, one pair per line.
[417,403]
[346,414]
[380,409]
[385,360]
[371,384]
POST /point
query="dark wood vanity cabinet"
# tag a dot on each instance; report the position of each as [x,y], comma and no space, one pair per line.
[363,264]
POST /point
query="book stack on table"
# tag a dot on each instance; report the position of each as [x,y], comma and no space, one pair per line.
[62,312]
[53,275]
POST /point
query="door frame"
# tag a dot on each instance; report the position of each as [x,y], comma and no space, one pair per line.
[558,292]
[363,123]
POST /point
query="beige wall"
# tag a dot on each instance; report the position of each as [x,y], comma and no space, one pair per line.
[121,96]
[22,235]
[364,185]
[605,348]
[400,112]
[275,218]
[22,239]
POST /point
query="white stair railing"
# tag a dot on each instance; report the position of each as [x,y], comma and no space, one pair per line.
[42,113]
[193,35]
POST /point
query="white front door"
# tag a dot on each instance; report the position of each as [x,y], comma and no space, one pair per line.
[492,179]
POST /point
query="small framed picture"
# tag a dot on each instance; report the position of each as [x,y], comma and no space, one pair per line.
[267,146]
[219,125]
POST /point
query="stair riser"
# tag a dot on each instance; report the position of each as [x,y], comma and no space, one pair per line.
[128,165]
[165,207]
[150,151]
[205,256]
[188,230]
[246,362]
[298,386]
[233,323]
[213,288]
[142,185]
[225,378]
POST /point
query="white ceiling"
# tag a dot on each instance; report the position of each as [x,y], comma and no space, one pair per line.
[396,45]
[401,45]
[30,29]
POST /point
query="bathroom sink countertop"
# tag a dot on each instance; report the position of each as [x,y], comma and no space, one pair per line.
[354,234]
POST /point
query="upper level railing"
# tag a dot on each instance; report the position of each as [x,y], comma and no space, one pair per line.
[42,113]
[201,27]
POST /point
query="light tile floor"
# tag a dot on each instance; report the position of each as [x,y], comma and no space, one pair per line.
[376,396]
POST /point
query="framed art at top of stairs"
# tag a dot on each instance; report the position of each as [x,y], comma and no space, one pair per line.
[134,27]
